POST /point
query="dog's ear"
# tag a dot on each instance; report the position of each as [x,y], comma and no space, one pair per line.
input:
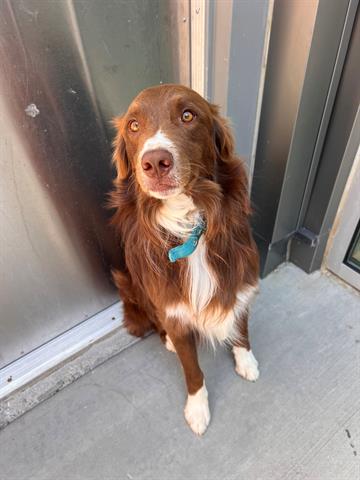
[230,169]
[120,157]
[223,138]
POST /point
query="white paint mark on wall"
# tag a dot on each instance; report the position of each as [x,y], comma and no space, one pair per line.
[31,110]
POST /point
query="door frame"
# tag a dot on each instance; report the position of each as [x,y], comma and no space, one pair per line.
[347,218]
[290,165]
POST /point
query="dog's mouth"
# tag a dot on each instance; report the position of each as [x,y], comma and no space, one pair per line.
[160,187]
[164,189]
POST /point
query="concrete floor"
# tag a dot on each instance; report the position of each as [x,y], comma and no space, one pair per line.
[301,420]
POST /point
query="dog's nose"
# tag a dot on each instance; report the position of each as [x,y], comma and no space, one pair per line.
[157,163]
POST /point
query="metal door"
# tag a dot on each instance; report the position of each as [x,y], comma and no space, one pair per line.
[66,68]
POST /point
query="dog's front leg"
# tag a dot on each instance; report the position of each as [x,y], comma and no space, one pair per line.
[246,364]
[196,411]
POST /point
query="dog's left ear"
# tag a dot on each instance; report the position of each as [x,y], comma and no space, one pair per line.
[234,177]
[223,138]
[120,157]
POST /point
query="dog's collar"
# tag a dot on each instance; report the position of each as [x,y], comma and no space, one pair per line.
[187,248]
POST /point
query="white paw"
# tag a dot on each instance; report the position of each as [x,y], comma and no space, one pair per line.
[169,344]
[246,364]
[197,413]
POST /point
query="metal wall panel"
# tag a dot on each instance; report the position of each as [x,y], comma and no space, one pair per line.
[337,155]
[237,59]
[249,23]
[308,46]
[66,68]
[290,41]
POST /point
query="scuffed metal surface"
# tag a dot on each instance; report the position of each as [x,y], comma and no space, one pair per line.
[66,69]
[31,110]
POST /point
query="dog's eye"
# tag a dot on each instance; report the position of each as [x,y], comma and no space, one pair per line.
[187,116]
[134,126]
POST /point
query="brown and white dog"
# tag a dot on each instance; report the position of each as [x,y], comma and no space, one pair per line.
[179,182]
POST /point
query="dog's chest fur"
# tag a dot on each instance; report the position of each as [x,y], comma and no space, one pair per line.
[179,215]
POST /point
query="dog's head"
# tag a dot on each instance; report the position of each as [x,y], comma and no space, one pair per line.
[169,137]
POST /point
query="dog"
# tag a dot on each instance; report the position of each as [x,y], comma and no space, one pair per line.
[182,213]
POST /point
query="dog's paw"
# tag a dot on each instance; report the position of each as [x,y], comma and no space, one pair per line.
[197,413]
[137,329]
[169,344]
[246,364]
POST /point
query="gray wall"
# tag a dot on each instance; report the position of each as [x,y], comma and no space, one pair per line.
[309,44]
[236,43]
[245,69]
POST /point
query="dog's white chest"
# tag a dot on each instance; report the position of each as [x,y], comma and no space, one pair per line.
[201,280]
[215,324]
[178,215]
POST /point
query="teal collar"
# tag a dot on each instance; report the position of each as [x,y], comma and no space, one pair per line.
[187,248]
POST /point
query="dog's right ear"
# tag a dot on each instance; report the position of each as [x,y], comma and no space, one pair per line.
[120,158]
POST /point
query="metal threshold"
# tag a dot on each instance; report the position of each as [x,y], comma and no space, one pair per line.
[53,353]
